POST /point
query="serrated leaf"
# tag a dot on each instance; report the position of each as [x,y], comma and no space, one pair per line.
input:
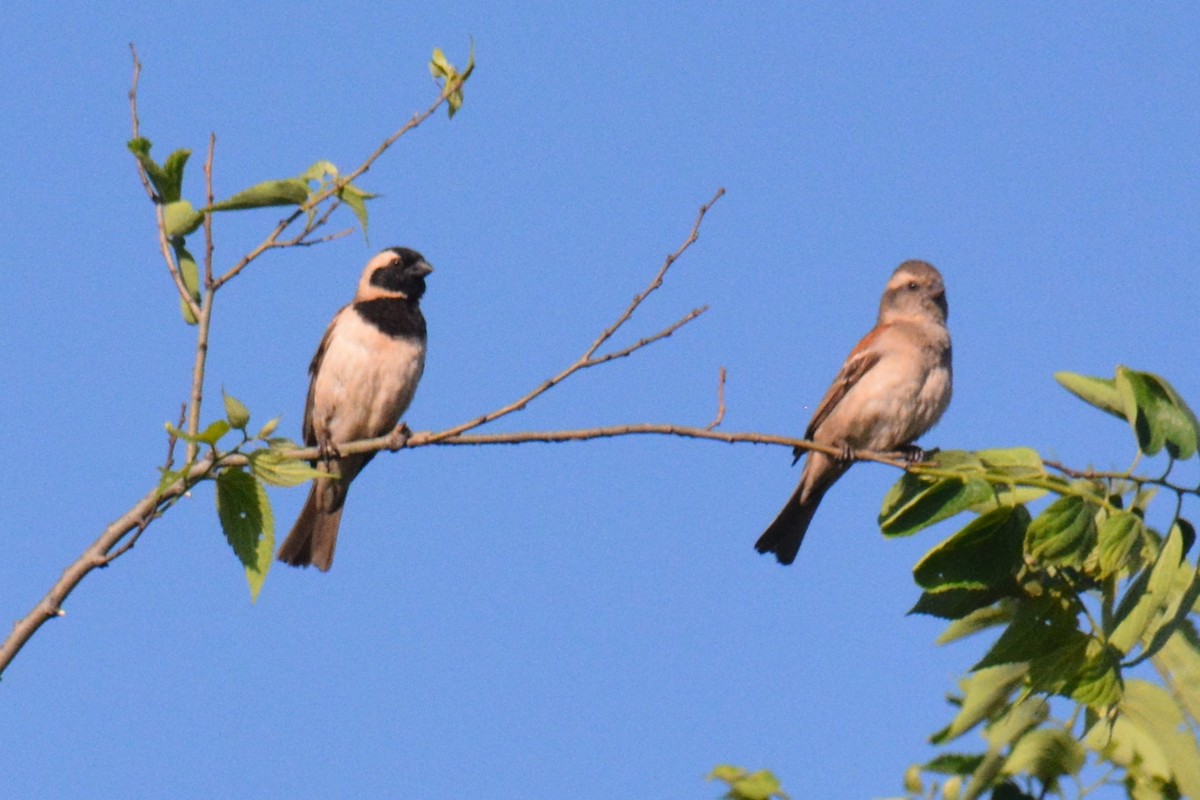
[356,199]
[289,192]
[270,466]
[986,554]
[1148,595]
[1047,754]
[1064,533]
[249,526]
[1097,683]
[180,219]
[235,412]
[1118,536]
[1099,392]
[915,503]
[1038,627]
[1157,413]
[189,272]
[984,693]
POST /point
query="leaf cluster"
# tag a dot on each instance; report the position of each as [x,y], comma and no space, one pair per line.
[1078,593]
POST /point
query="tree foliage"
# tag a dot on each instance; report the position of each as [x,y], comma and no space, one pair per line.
[1077,595]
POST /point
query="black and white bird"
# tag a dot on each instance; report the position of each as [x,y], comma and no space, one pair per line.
[364,376]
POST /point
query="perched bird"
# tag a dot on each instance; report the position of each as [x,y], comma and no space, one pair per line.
[893,387]
[364,376]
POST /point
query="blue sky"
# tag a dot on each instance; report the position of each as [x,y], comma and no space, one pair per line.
[584,620]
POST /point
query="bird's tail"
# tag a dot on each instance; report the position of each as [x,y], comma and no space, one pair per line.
[314,535]
[783,536]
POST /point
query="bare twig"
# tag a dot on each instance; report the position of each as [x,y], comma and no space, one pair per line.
[589,359]
[208,218]
[720,401]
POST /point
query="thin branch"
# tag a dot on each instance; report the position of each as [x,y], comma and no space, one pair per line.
[208,217]
[588,359]
[658,279]
[272,240]
[160,219]
[720,401]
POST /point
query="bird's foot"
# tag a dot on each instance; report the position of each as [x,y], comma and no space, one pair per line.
[847,453]
[328,451]
[400,436]
[912,454]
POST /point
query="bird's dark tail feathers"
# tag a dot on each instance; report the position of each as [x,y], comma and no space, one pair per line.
[314,535]
[783,536]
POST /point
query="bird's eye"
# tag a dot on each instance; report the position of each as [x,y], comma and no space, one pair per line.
[912,286]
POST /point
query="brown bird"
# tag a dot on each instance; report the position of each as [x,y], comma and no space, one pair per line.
[364,376]
[894,386]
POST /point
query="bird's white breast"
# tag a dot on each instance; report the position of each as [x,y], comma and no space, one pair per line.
[365,381]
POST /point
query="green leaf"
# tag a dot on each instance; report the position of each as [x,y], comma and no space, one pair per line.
[1179,663]
[237,414]
[270,466]
[1064,533]
[980,619]
[319,171]
[984,693]
[140,148]
[1148,595]
[1185,591]
[446,75]
[916,502]
[249,526]
[1047,754]
[180,219]
[172,171]
[213,433]
[290,192]
[1097,682]
[267,429]
[1150,736]
[744,785]
[986,554]
[954,764]
[1119,534]
[954,603]
[1099,392]
[190,274]
[357,199]
[210,435]
[1157,414]
[1038,627]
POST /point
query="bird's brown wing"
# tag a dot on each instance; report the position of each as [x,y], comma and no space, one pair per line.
[860,361]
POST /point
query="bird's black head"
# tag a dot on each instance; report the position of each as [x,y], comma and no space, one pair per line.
[397,269]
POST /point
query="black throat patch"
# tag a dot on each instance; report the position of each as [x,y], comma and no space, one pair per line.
[399,319]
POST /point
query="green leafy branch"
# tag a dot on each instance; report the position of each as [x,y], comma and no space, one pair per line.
[1082,592]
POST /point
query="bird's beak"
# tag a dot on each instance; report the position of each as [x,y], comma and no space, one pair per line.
[940,300]
[423,268]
